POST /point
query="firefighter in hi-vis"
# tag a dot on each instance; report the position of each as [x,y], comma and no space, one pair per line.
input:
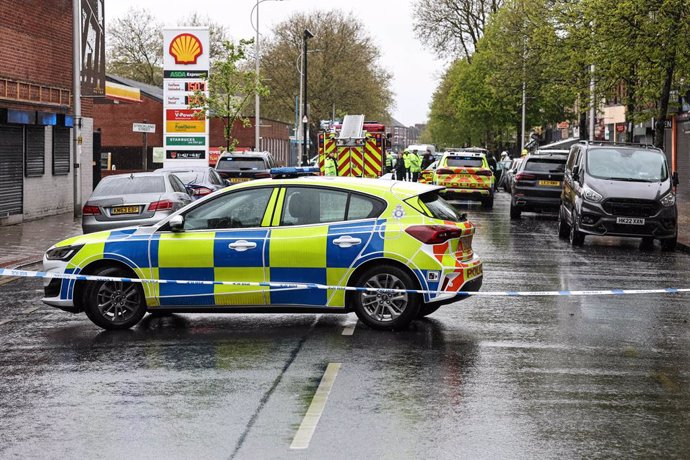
[330,167]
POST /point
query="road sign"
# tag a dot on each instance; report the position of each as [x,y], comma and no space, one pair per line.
[143,127]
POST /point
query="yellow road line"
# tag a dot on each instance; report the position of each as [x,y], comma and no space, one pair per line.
[318,403]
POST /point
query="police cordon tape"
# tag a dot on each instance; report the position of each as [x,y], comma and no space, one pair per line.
[290,286]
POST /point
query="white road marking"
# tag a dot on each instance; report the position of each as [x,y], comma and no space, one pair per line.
[318,403]
[30,310]
[350,328]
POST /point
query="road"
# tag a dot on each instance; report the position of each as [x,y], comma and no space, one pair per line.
[484,378]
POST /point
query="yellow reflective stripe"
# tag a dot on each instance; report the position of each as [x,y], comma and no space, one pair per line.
[266,222]
[278,208]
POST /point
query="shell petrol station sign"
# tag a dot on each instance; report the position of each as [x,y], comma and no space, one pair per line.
[185,70]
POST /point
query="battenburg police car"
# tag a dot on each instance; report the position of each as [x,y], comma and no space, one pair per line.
[465,174]
[392,237]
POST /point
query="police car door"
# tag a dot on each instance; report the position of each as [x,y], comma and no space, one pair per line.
[317,236]
[224,239]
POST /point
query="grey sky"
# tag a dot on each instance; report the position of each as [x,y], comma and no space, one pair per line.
[415,69]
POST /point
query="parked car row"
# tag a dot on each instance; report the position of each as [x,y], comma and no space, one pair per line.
[599,188]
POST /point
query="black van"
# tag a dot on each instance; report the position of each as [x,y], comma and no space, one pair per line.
[618,190]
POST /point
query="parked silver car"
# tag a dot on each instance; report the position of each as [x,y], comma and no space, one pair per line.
[124,200]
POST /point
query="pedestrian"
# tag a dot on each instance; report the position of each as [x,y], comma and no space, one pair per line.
[406,160]
[330,168]
[400,170]
[415,166]
[389,162]
[428,159]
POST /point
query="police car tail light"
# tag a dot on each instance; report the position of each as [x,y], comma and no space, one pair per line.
[434,234]
[201,191]
[161,205]
[524,176]
[90,211]
[484,172]
[444,171]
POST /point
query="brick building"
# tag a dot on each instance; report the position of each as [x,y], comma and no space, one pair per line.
[36,111]
[114,120]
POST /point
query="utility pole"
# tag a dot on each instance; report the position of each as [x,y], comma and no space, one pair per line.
[144,153]
[76,99]
[257,115]
[305,120]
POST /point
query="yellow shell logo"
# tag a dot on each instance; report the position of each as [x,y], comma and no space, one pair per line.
[185,48]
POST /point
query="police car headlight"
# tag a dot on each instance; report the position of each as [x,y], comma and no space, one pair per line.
[591,195]
[669,199]
[63,253]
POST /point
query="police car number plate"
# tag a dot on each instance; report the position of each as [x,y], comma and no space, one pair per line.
[630,220]
[550,183]
[239,179]
[124,210]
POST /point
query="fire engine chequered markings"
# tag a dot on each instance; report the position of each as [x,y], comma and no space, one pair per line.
[316,286]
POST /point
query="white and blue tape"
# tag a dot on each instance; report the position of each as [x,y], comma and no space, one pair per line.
[283,285]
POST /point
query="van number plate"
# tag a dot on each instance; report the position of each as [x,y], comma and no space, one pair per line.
[630,221]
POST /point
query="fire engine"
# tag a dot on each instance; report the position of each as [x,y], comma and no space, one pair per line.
[359,146]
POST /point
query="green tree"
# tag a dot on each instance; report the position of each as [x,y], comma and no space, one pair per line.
[135,47]
[344,69]
[453,27]
[231,85]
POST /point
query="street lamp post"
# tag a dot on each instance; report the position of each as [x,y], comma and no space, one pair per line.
[257,98]
[305,130]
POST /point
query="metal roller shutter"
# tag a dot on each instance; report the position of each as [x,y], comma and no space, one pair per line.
[11,170]
[683,161]
[35,151]
[61,154]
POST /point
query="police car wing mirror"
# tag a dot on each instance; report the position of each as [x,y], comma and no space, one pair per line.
[176,223]
[463,217]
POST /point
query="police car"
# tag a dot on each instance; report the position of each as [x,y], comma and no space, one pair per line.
[465,175]
[264,236]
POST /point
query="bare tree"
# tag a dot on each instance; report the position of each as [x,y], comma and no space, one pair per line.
[134,47]
[453,27]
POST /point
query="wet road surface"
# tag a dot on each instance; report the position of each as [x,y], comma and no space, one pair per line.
[483,378]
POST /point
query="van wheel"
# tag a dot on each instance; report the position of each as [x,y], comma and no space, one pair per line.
[114,304]
[563,230]
[576,237]
[669,244]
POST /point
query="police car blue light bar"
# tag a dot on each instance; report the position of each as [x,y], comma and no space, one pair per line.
[293,171]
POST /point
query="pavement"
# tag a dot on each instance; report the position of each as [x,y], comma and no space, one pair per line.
[25,243]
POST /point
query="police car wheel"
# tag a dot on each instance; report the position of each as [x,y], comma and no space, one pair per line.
[386,310]
[114,304]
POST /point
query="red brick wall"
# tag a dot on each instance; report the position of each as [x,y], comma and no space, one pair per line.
[37,46]
[115,122]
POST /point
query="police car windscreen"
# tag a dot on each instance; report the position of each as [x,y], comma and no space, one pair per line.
[240,164]
[464,162]
[129,185]
[545,166]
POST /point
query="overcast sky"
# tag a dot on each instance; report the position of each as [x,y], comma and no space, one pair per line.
[415,70]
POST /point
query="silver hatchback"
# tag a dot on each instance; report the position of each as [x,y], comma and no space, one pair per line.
[124,200]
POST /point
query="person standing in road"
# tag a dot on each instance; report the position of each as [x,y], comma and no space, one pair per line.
[400,170]
[330,168]
[428,159]
[415,166]
[389,162]
[406,160]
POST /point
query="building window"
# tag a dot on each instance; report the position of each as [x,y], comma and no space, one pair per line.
[61,154]
[35,151]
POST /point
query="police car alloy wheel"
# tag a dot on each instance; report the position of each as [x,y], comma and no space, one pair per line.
[114,304]
[386,310]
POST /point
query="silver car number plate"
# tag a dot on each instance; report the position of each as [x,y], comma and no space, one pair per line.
[630,220]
